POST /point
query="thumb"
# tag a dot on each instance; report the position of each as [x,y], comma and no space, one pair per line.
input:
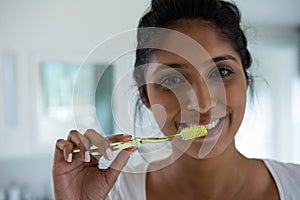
[58,155]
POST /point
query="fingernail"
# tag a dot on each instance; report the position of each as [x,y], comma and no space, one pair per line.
[87,157]
[70,156]
[109,153]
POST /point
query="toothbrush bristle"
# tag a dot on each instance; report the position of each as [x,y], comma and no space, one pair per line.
[193,132]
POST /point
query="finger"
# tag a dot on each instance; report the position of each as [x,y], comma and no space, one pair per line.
[82,143]
[112,138]
[118,164]
[66,147]
[101,142]
[119,138]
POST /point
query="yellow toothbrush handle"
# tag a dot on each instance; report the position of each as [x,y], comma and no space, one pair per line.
[138,141]
[133,143]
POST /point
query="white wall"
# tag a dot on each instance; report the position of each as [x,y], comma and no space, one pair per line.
[267,130]
[33,28]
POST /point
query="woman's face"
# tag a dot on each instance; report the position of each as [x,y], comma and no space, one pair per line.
[212,94]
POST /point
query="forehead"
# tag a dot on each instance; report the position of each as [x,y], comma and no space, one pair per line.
[211,41]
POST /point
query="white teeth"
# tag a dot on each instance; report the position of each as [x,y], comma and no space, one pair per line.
[212,124]
[208,126]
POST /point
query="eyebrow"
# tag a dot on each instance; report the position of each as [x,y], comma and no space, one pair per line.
[219,59]
[208,62]
[170,65]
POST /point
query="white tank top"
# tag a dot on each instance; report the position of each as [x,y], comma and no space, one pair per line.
[132,186]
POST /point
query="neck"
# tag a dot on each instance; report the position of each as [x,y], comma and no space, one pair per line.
[213,176]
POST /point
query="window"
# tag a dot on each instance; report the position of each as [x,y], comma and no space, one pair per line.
[63,90]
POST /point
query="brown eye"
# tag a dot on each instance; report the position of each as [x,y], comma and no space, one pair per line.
[223,72]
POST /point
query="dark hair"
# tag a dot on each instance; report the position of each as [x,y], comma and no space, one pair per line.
[222,15]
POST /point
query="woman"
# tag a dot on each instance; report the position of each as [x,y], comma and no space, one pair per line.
[188,95]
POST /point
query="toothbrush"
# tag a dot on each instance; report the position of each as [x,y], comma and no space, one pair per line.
[187,133]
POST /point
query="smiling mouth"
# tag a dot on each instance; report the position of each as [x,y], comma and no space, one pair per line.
[209,126]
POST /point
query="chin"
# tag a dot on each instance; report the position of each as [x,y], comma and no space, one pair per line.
[210,149]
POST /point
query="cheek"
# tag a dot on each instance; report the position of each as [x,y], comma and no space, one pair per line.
[236,96]
[160,114]
[164,106]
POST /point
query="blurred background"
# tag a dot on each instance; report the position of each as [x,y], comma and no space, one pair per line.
[42,44]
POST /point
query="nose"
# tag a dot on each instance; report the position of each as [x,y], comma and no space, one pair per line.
[200,98]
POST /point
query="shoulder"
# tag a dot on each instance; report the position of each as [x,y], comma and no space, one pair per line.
[287,168]
[286,176]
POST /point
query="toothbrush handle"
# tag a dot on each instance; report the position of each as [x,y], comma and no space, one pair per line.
[135,142]
[157,139]
[138,141]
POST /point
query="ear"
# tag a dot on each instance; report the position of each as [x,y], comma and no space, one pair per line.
[144,96]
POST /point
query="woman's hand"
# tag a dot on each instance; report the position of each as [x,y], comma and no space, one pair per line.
[77,176]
